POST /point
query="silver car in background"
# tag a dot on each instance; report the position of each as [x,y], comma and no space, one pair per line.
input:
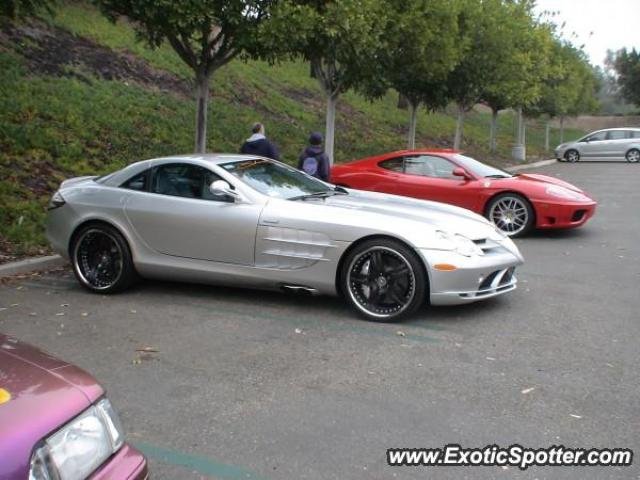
[608,144]
[247,221]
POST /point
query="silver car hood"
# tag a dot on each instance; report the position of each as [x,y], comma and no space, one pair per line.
[394,208]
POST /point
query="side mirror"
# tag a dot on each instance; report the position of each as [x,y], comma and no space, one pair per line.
[461,172]
[221,187]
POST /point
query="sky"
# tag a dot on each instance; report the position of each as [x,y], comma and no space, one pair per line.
[614,24]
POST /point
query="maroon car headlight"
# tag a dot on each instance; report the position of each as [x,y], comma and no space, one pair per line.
[80,446]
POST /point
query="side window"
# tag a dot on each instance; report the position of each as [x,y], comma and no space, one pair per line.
[185,180]
[635,133]
[616,135]
[139,182]
[393,164]
[596,137]
[429,166]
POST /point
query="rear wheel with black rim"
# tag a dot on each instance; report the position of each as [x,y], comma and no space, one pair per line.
[384,280]
[633,155]
[101,259]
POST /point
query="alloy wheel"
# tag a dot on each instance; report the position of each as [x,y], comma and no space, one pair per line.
[572,156]
[510,215]
[633,156]
[98,259]
[381,282]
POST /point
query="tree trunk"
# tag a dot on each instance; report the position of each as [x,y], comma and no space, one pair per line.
[413,120]
[546,136]
[458,138]
[403,102]
[562,129]
[202,98]
[330,126]
[494,130]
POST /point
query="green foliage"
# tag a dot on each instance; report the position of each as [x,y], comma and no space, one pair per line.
[517,56]
[13,9]
[627,67]
[571,86]
[422,45]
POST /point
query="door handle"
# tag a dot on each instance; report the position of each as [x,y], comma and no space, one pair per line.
[271,220]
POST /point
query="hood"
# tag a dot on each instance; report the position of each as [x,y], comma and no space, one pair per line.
[534,177]
[393,208]
[45,393]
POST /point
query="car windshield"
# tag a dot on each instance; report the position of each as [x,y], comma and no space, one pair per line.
[276,180]
[480,169]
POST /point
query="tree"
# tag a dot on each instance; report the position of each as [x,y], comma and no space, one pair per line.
[627,67]
[569,89]
[340,40]
[422,47]
[13,9]
[516,74]
[206,35]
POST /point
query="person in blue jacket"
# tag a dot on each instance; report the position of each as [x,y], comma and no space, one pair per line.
[257,144]
[313,160]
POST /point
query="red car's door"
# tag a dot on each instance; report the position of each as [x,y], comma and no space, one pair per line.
[430,177]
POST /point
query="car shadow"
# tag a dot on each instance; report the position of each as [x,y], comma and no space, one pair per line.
[317,308]
[561,234]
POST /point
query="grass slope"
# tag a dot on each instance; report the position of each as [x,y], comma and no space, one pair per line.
[117,101]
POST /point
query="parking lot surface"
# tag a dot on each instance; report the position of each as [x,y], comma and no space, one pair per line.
[242,384]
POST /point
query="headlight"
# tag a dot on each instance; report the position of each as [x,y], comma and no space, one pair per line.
[56,201]
[80,447]
[561,192]
[460,244]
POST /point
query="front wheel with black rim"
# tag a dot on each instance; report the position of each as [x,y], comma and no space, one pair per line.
[572,156]
[511,213]
[384,280]
[633,155]
[101,259]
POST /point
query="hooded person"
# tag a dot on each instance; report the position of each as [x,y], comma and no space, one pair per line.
[257,144]
[313,160]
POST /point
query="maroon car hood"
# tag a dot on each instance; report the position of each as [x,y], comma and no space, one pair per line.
[545,179]
[45,394]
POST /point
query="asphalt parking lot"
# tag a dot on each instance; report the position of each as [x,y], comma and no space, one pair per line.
[248,384]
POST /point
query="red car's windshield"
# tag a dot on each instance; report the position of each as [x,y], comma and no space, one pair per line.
[480,169]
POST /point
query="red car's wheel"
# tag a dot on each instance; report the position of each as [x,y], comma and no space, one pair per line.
[511,213]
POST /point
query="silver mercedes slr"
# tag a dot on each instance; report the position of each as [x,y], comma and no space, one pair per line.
[252,222]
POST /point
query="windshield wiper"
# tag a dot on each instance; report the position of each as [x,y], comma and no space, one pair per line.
[326,193]
[497,175]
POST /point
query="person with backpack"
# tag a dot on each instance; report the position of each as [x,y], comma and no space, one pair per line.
[257,144]
[313,160]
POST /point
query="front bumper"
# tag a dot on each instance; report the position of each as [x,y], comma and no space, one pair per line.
[475,278]
[563,215]
[127,464]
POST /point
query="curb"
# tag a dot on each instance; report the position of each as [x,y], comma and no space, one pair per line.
[31,265]
[541,163]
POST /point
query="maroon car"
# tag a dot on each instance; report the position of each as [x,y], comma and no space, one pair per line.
[56,423]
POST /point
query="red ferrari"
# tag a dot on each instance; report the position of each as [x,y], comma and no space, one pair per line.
[514,203]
